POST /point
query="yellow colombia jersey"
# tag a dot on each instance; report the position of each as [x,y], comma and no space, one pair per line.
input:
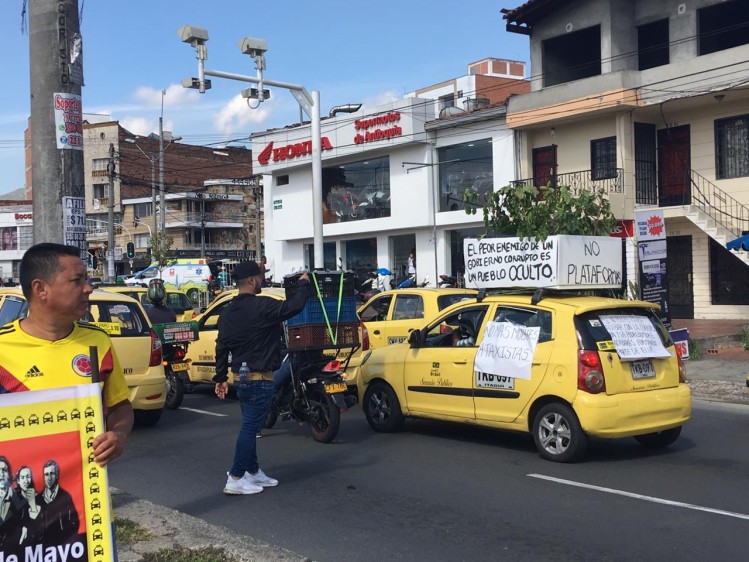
[29,363]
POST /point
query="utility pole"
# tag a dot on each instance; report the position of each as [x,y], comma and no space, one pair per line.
[258,240]
[110,218]
[56,77]
[161,174]
[202,224]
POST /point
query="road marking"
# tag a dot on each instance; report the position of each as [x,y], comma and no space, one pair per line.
[204,412]
[641,497]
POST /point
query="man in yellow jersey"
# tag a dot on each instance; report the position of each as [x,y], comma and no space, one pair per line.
[50,347]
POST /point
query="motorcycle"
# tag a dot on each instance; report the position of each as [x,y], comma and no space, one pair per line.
[314,393]
[448,281]
[373,284]
[407,282]
[175,369]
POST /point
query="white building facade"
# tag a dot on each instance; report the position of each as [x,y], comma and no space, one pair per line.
[393,181]
[16,236]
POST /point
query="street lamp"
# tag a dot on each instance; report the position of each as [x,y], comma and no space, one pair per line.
[152,160]
[256,48]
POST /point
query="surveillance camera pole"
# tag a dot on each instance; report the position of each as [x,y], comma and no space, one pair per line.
[309,104]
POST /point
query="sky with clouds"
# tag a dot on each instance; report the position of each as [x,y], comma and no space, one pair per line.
[350,50]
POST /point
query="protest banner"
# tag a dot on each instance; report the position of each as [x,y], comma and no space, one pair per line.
[506,351]
[59,506]
[634,337]
[559,262]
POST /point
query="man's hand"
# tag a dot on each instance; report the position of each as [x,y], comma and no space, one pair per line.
[304,276]
[108,446]
[221,389]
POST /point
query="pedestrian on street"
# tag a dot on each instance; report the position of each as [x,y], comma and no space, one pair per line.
[250,329]
[53,342]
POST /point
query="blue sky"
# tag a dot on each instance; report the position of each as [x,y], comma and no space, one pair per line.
[351,51]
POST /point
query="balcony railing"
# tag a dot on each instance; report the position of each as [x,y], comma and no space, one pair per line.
[582,181]
[721,207]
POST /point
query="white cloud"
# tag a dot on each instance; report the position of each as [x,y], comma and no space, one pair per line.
[140,125]
[380,99]
[175,96]
[236,115]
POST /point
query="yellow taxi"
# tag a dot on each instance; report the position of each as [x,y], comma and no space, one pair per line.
[564,368]
[391,315]
[176,300]
[201,354]
[137,345]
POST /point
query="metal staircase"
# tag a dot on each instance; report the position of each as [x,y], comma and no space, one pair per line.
[717,214]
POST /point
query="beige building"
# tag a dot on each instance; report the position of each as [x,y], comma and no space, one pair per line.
[647,101]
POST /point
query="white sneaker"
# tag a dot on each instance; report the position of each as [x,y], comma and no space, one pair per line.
[240,487]
[260,479]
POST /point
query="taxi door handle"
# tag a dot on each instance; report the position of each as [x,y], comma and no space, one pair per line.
[463,362]
[535,363]
[376,332]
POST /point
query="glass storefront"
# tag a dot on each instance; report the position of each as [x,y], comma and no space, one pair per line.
[361,256]
[464,166]
[356,191]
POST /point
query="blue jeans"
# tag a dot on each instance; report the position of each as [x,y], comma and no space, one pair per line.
[255,398]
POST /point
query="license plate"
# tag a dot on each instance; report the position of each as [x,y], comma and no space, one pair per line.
[642,369]
[180,366]
[332,388]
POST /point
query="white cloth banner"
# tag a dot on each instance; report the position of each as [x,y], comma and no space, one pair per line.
[507,350]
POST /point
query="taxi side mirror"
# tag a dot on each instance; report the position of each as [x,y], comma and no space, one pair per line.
[414,338]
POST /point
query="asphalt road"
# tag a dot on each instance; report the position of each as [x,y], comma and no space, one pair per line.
[438,491]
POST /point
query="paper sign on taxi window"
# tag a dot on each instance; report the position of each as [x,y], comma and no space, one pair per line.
[112,328]
[634,337]
[60,508]
[507,350]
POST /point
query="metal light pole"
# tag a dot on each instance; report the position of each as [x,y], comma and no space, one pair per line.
[110,217]
[152,160]
[162,219]
[256,48]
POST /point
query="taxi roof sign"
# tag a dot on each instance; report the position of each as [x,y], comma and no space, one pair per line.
[558,262]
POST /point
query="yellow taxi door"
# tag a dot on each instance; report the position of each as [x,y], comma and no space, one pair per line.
[407,314]
[438,376]
[503,398]
[375,316]
[202,352]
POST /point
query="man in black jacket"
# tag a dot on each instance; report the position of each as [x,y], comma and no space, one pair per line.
[250,329]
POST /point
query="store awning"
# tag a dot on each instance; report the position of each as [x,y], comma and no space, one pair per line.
[741,243]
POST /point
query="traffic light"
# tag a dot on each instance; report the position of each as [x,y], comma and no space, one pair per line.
[130,250]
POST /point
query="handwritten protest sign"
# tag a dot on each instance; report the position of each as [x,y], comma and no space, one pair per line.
[562,262]
[507,350]
[634,337]
[46,439]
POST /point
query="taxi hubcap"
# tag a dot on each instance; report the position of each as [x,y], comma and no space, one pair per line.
[554,433]
[379,407]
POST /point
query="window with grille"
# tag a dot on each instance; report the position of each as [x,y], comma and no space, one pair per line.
[603,158]
[732,147]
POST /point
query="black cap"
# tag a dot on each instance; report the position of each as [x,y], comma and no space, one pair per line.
[246,269]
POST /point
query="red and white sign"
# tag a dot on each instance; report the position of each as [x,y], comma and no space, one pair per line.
[651,225]
[623,229]
[290,151]
[24,218]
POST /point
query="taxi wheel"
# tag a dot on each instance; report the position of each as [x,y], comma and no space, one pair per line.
[382,408]
[147,418]
[558,434]
[659,439]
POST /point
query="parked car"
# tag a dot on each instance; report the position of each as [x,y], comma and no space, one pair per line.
[176,300]
[137,345]
[577,385]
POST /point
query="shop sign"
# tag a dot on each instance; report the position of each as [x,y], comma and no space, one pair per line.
[24,218]
[385,128]
[277,204]
[651,225]
[68,121]
[290,151]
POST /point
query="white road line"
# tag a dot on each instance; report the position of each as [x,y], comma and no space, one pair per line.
[641,497]
[204,412]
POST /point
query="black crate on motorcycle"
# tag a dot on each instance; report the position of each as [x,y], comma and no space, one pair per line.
[329,284]
[337,310]
[317,336]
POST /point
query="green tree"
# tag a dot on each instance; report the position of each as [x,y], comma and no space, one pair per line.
[538,212]
[161,246]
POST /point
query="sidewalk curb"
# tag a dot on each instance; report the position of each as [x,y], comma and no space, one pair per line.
[171,528]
